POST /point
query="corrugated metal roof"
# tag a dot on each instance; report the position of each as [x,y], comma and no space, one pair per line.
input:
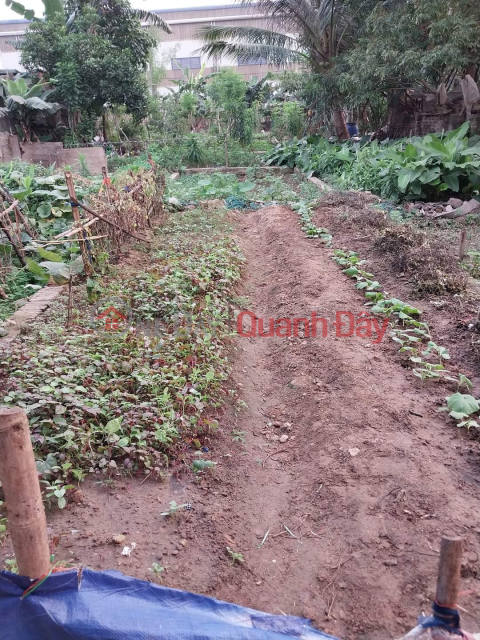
[19,21]
[203,8]
[163,11]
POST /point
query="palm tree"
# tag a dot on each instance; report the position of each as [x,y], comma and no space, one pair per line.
[53,7]
[309,32]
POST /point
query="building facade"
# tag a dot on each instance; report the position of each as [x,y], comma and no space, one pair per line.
[179,50]
[11,31]
[176,51]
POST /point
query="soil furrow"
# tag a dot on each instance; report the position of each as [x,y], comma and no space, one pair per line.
[355,499]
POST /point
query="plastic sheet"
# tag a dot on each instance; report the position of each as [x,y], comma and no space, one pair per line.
[90,605]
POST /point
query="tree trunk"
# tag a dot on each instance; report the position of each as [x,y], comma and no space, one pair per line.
[104,126]
[340,124]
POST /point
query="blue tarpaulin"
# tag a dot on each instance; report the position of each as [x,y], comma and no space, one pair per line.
[91,605]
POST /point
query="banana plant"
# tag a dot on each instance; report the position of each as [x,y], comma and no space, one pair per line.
[26,106]
[50,8]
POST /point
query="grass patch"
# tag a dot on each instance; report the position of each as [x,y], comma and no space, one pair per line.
[135,401]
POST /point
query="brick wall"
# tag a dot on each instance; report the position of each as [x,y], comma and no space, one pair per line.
[420,124]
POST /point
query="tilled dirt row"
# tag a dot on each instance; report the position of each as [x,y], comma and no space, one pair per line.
[346,465]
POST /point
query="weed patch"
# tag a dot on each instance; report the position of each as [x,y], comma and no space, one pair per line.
[427,259]
[130,401]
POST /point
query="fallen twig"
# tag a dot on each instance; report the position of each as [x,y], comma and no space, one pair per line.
[264,539]
[340,565]
[331,605]
[146,477]
[272,454]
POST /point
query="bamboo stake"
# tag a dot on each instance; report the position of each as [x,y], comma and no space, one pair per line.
[27,227]
[70,301]
[18,474]
[4,192]
[15,248]
[106,182]
[48,243]
[74,230]
[113,224]
[448,581]
[76,216]
[19,233]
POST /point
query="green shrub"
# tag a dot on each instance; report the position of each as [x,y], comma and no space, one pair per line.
[425,168]
[288,119]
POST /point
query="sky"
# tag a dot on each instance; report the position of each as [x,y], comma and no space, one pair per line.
[8,14]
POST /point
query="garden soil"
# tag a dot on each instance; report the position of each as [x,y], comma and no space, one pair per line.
[342,488]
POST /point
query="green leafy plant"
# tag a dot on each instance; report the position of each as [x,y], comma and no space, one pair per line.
[461,407]
[55,492]
[157,570]
[194,153]
[11,565]
[159,383]
[235,556]
[424,167]
[200,465]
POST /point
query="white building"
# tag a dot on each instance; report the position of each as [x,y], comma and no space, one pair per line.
[177,50]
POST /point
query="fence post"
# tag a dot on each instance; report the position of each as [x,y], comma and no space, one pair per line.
[18,474]
[76,216]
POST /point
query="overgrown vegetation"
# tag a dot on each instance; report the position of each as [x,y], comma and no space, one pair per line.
[434,166]
[137,400]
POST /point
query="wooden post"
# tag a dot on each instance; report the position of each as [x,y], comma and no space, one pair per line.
[70,301]
[463,242]
[18,474]
[106,182]
[76,216]
[9,237]
[448,580]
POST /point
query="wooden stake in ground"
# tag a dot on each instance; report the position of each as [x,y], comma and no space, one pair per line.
[18,474]
[448,581]
[463,242]
[6,195]
[106,182]
[4,221]
[70,301]
[76,216]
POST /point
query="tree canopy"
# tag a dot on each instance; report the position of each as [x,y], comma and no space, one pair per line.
[97,59]
[414,44]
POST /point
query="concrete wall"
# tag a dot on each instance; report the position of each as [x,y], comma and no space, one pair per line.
[48,153]
[95,158]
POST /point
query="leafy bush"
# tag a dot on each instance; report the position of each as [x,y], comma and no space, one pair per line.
[288,119]
[428,167]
